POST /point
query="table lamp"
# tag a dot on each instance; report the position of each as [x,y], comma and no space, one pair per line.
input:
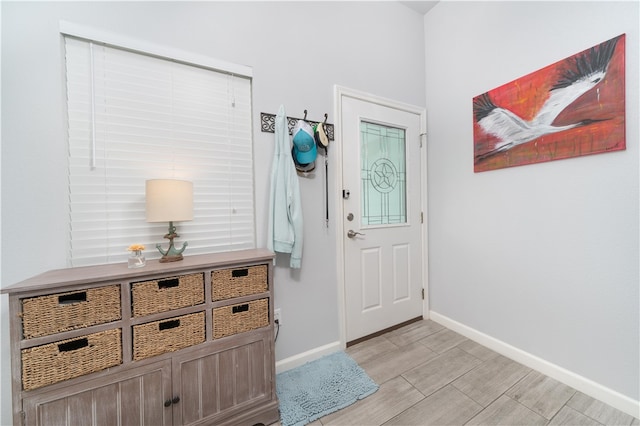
[169,200]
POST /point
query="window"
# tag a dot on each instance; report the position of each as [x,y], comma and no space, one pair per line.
[135,116]
[383,178]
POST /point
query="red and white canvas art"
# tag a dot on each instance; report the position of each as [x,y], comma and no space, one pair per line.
[571,108]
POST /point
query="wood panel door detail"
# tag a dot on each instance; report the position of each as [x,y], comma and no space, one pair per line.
[136,397]
[215,386]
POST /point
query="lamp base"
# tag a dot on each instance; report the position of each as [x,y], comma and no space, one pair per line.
[167,258]
[171,254]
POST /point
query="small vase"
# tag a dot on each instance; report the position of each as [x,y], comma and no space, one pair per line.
[136,259]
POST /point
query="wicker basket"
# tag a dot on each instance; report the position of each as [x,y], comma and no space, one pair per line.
[234,319]
[55,313]
[229,283]
[52,363]
[150,297]
[158,337]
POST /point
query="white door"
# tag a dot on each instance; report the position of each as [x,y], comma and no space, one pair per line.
[383,259]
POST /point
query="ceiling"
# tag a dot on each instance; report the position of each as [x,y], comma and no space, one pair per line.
[419,6]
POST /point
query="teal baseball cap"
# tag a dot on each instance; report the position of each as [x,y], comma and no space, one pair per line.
[304,144]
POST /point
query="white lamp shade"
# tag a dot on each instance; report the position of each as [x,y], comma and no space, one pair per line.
[169,200]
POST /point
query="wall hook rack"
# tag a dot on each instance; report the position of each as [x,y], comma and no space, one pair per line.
[268,123]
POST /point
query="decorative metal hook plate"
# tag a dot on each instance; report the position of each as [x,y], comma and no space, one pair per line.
[268,124]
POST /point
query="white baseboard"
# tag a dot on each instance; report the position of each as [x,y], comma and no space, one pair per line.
[303,358]
[584,385]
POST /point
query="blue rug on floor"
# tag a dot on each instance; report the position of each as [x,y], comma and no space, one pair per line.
[321,387]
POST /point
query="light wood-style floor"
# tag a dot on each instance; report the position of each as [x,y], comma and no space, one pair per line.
[430,375]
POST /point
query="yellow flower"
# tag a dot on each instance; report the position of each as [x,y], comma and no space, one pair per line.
[136,247]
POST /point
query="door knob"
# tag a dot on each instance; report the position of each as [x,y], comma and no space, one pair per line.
[351,233]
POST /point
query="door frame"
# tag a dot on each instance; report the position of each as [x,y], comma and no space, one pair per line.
[339,93]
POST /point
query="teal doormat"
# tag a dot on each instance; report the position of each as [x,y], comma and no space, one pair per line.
[321,387]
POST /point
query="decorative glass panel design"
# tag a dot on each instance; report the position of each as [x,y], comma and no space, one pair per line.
[383,174]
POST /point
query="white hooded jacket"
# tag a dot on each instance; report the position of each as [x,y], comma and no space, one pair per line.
[285,208]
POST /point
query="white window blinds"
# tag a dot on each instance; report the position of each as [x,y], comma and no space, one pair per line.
[133,117]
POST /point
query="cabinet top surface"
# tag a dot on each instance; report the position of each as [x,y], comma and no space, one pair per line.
[117,271]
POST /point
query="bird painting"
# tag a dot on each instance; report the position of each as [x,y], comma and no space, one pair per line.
[571,108]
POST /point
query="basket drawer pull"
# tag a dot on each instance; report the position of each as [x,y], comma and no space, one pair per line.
[69,299]
[168,283]
[236,273]
[73,345]
[168,325]
[240,308]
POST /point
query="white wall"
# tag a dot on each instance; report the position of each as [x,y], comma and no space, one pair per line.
[298,51]
[542,257]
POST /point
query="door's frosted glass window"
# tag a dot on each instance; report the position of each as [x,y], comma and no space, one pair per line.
[383,174]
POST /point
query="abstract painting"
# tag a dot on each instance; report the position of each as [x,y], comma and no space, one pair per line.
[571,108]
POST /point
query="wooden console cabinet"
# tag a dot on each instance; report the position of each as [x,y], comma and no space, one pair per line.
[182,343]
